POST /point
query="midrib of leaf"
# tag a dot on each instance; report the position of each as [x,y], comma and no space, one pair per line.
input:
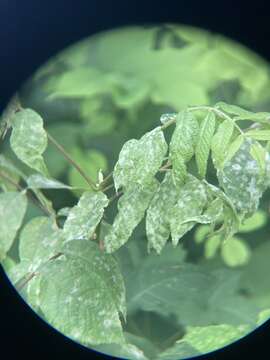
[147,289]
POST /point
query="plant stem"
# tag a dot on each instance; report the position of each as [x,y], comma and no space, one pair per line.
[115,197]
[106,179]
[165,167]
[107,187]
[89,181]
[30,196]
[20,284]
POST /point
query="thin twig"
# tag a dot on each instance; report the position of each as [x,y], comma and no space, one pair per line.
[105,180]
[165,167]
[115,197]
[20,284]
[89,181]
[29,194]
[108,187]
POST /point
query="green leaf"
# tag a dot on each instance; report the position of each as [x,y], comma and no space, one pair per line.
[8,263]
[121,351]
[212,213]
[210,338]
[82,294]
[263,316]
[191,201]
[179,169]
[81,82]
[139,160]
[235,252]
[30,291]
[180,350]
[233,148]
[260,117]
[230,216]
[203,145]
[226,304]
[100,118]
[184,136]
[167,285]
[259,155]
[40,239]
[220,142]
[29,139]
[12,210]
[38,181]
[263,135]
[255,222]
[64,211]
[211,247]
[201,233]
[241,180]
[232,109]
[157,217]
[254,279]
[7,165]
[83,218]
[131,209]
[242,114]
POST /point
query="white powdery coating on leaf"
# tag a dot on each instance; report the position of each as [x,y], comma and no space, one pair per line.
[131,209]
[40,239]
[29,139]
[241,179]
[139,160]
[192,200]
[12,210]
[91,313]
[157,217]
[85,216]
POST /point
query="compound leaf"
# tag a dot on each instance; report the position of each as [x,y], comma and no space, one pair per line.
[29,139]
[84,217]
[82,294]
[202,149]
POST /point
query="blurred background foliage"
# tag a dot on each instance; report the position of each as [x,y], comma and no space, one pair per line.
[114,86]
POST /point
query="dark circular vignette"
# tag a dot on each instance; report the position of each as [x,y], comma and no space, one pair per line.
[33,31]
